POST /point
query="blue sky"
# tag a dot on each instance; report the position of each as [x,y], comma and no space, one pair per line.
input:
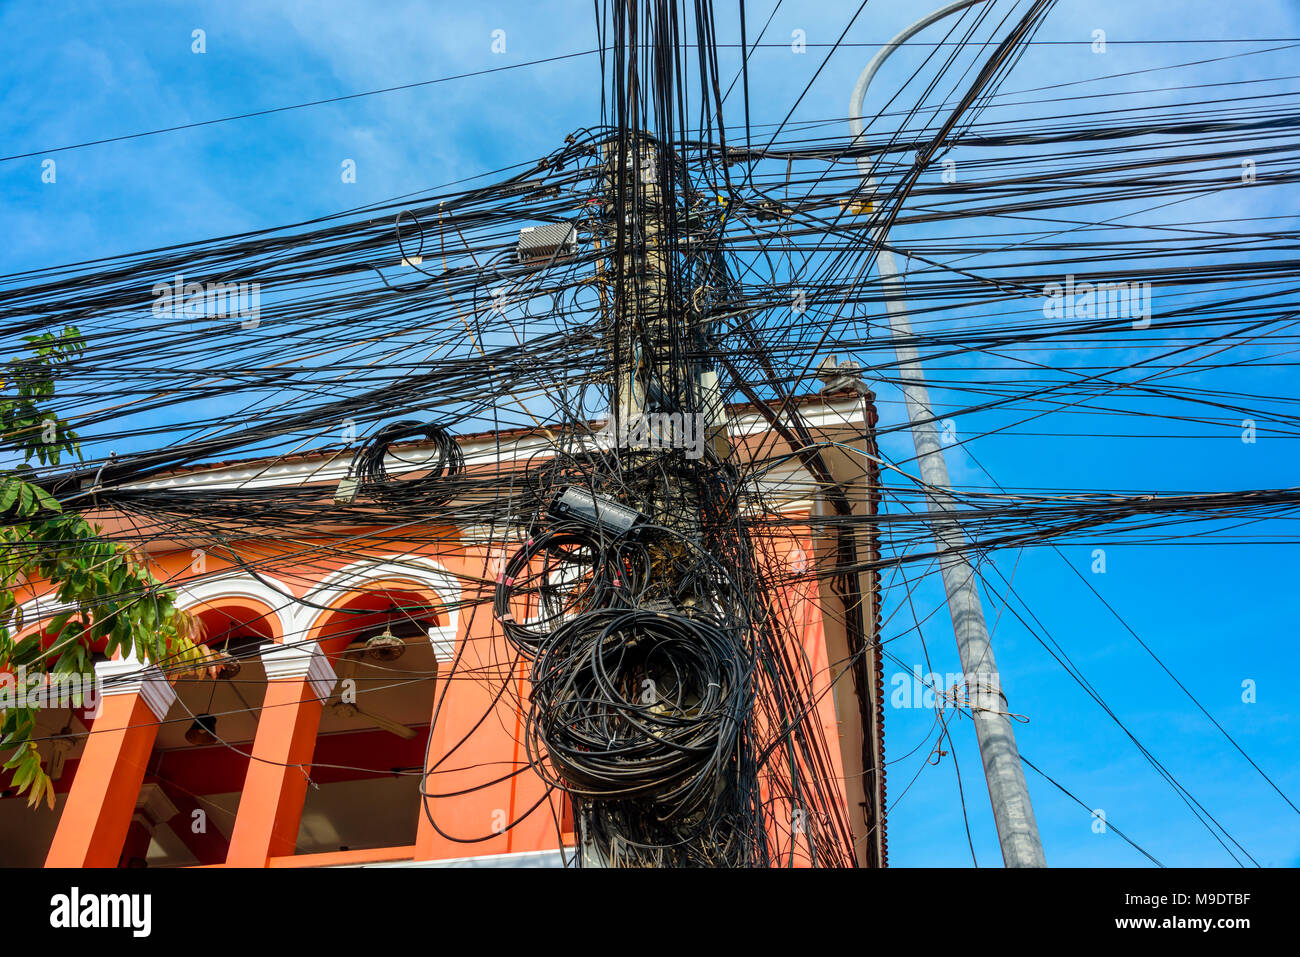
[1216,614]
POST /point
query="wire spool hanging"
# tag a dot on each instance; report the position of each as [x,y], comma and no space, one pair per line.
[430,488]
[639,705]
[556,575]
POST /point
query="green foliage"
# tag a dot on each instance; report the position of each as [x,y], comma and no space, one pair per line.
[110,596]
[28,383]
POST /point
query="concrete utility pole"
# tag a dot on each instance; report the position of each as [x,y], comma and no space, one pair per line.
[642,332]
[642,300]
[639,328]
[652,329]
[1017,829]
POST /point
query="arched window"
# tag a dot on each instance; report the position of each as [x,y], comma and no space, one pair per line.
[200,758]
[374,727]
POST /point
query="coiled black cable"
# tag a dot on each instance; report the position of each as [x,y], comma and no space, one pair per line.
[554,576]
[638,704]
[430,488]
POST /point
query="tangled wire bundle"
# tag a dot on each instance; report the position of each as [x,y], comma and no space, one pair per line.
[430,488]
[637,704]
[556,575]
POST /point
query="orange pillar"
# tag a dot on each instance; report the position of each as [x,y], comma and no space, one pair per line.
[93,827]
[537,831]
[467,750]
[800,597]
[299,679]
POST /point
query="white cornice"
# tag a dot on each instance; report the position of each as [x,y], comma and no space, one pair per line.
[302,659]
[125,676]
[442,638]
[833,413]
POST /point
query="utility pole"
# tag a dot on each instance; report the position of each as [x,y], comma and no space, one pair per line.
[639,329]
[1012,811]
[637,302]
[652,329]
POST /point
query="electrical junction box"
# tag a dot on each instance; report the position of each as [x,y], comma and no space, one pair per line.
[598,511]
[556,241]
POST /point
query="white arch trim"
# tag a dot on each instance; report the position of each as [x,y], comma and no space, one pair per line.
[418,570]
[272,593]
[189,595]
[38,609]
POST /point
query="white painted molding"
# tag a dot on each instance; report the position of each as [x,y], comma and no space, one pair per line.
[40,608]
[827,413]
[238,584]
[127,676]
[189,595]
[420,571]
[442,638]
[302,659]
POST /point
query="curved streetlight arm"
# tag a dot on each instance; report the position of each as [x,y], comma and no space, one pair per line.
[864,79]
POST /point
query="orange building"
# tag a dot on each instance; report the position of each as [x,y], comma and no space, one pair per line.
[309,744]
